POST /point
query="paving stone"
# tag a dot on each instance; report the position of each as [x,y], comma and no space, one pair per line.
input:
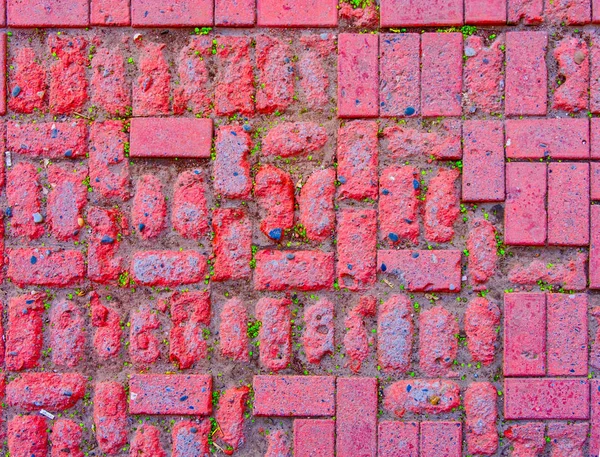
[108,86]
[66,438]
[314,438]
[167,268]
[595,181]
[567,439]
[485,12]
[275,334]
[275,89]
[318,335]
[185,13]
[66,201]
[594,442]
[52,391]
[153,137]
[107,339]
[152,89]
[356,249]
[67,334]
[482,320]
[235,13]
[356,339]
[572,94]
[483,75]
[110,416]
[234,91]
[59,13]
[527,438]
[395,333]
[439,141]
[569,275]
[192,93]
[3,66]
[303,13]
[406,13]
[230,415]
[232,165]
[149,209]
[189,211]
[483,252]
[190,314]
[53,140]
[109,12]
[27,436]
[233,330]
[232,243]
[441,438]
[482,414]
[144,347]
[24,199]
[274,192]
[567,12]
[416,395]
[438,345]
[442,206]
[316,202]
[314,78]
[356,416]
[45,267]
[191,438]
[146,441]
[594,265]
[398,438]
[290,139]
[278,444]
[27,82]
[68,83]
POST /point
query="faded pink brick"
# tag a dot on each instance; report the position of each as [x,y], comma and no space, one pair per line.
[146,442]
[23,192]
[230,415]
[356,339]
[103,264]
[191,438]
[189,211]
[398,438]
[29,77]
[441,439]
[419,13]
[45,267]
[294,13]
[274,192]
[3,66]
[485,12]
[358,75]
[278,444]
[234,91]
[66,438]
[275,333]
[399,204]
[59,13]
[275,90]
[67,334]
[144,347]
[149,209]
[182,13]
[317,212]
[233,333]
[152,89]
[482,415]
[568,440]
[27,436]
[110,416]
[192,92]
[232,165]
[107,337]
[190,314]
[290,139]
[442,206]
[440,141]
[109,12]
[235,13]
[595,416]
[524,334]
[569,12]
[318,335]
[356,417]
[483,83]
[572,94]
[395,333]
[482,247]
[356,248]
[232,244]
[526,73]
[438,345]
[595,181]
[109,87]
[357,154]
[293,270]
[441,74]
[594,59]
[527,11]
[167,268]
[527,438]
[53,140]
[482,319]
[24,335]
[314,79]
[594,265]
[414,396]
[314,438]
[108,168]
[66,201]
[68,82]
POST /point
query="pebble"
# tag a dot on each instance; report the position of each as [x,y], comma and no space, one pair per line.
[16,91]
[383,267]
[80,221]
[141,227]
[470,52]
[38,218]
[107,240]
[8,212]
[392,236]
[275,234]
[69,153]
[247,127]
[409,111]
[416,184]
[290,256]
[578,57]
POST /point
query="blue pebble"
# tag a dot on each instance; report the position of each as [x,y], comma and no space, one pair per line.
[290,256]
[385,191]
[107,240]
[33,260]
[247,128]
[69,153]
[275,234]
[8,212]
[416,184]
[415,255]
[141,227]
[341,179]
[235,173]
[409,111]
[383,267]
[392,236]
[16,91]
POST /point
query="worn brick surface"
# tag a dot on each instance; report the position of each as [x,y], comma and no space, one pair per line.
[152,13]
[406,13]
[303,13]
[356,416]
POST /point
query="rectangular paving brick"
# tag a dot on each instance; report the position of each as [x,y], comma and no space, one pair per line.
[58,13]
[170,137]
[568,204]
[441,439]
[167,268]
[441,74]
[110,12]
[546,398]
[3,55]
[356,417]
[485,12]
[399,74]
[291,396]
[567,334]
[358,75]
[524,334]
[187,395]
[525,211]
[54,140]
[235,13]
[595,138]
[45,267]
[357,155]
[314,438]
[543,138]
[594,266]
[595,417]
[526,74]
[595,181]
[171,13]
[398,438]
[423,270]
[297,13]
[415,13]
[483,161]
[3,13]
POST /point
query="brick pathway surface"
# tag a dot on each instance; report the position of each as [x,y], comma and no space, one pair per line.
[316,228]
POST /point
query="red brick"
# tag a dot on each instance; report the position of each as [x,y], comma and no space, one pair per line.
[594,265]
[190,314]
[152,89]
[234,91]
[527,438]
[569,275]
[3,58]
[398,438]
[442,206]
[110,416]
[485,12]
[400,75]
[232,166]
[482,414]
[154,137]
[317,211]
[358,75]
[56,13]
[441,74]
[24,333]
[233,333]
[51,267]
[318,335]
[483,255]
[103,264]
[314,438]
[109,87]
[230,415]
[48,139]
[595,416]
[525,212]
[595,181]
[235,13]
[27,436]
[274,192]
[149,209]
[3,13]
[357,248]
[191,438]
[232,244]
[146,442]
[53,391]
[357,154]
[439,141]
[293,396]
[27,82]
[68,83]
[399,205]
[275,87]
[66,438]
[441,439]
[143,342]
[107,339]
[186,395]
[482,319]
[594,63]
[108,167]
[167,268]
[66,201]
[483,161]
[483,75]
[275,335]
[568,204]
[568,12]
[526,74]
[395,333]
[109,12]
[568,440]
[290,139]
[423,271]
[595,346]
[189,213]
[303,13]
[314,77]
[67,334]
[278,444]
[192,92]
[411,13]
[546,398]
[357,341]
[356,417]
[184,13]
[438,345]
[528,11]
[525,334]
[572,94]
[23,192]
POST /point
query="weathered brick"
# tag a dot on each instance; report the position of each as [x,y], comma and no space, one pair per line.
[189,213]
[441,74]
[230,415]
[356,248]
[48,139]
[275,90]
[546,398]
[482,414]
[526,438]
[143,342]
[167,268]
[190,314]
[103,264]
[568,204]
[274,192]
[294,396]
[595,345]
[146,442]
[594,265]
[186,395]
[275,335]
[66,438]
[108,167]
[483,82]
[572,93]
[191,438]
[357,340]
[568,12]
[290,139]
[318,335]
[442,206]
[415,395]
[358,75]
[235,13]
[485,12]
[24,333]
[441,438]
[314,78]
[314,438]
[525,334]
[594,62]
[45,267]
[66,201]
[482,248]
[3,66]
[110,416]
[399,204]
[27,82]
[356,416]
[27,436]
[232,244]
[232,165]
[439,141]
[154,137]
[192,93]
[233,331]
[407,13]
[68,82]
[185,13]
[400,75]
[152,89]
[67,334]
[109,87]
[297,270]
[234,91]
[109,12]
[568,440]
[525,211]
[58,13]
[149,209]
[482,319]
[53,391]
[595,416]
[569,275]
[317,211]
[423,271]
[398,438]
[107,339]
[483,161]
[23,192]
[595,181]
[278,444]
[395,333]
[438,346]
[303,13]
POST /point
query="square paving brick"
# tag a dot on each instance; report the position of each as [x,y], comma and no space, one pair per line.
[47,13]
[356,416]
[441,438]
[235,13]
[398,438]
[415,13]
[171,13]
[297,13]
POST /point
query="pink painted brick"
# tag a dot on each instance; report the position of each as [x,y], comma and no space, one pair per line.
[567,334]
[171,137]
[3,13]
[3,54]
[171,13]
[186,395]
[358,75]
[441,74]
[400,74]
[441,439]
[167,268]
[568,204]
[524,334]
[525,212]
[546,398]
[485,12]
[595,416]
[314,438]
[47,13]
[356,417]
[596,11]
[526,73]
[110,12]
[483,161]
[294,395]
[235,13]
[595,138]
[567,12]
[297,13]
[357,248]
[45,267]
[543,138]
[398,438]
[415,13]
[594,266]
[595,181]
